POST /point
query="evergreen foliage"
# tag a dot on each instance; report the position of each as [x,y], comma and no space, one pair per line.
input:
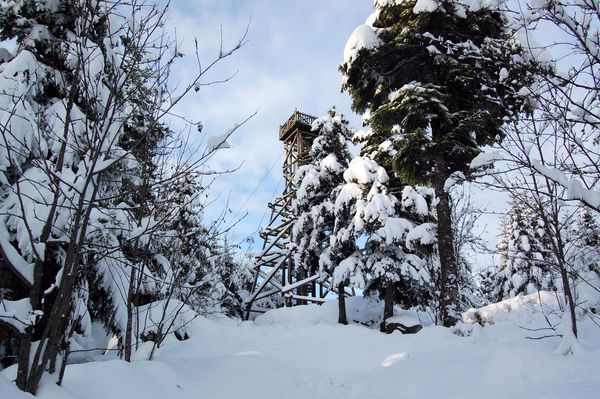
[207,277]
[317,186]
[583,256]
[90,221]
[396,228]
[525,254]
[440,83]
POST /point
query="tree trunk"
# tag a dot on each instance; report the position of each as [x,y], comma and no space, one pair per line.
[342,318]
[129,327]
[569,295]
[388,302]
[49,343]
[564,276]
[302,291]
[449,290]
[23,364]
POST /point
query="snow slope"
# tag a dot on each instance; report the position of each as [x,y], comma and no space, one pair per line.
[302,353]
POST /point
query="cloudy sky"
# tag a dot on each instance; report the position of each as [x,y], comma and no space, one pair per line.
[290,60]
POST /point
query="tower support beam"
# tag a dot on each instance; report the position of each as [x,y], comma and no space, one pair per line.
[277,281]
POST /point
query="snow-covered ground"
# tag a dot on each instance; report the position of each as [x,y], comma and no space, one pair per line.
[302,353]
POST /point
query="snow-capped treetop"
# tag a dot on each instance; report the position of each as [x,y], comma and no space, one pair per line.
[493,67]
[460,7]
[363,37]
[425,6]
[364,170]
[333,138]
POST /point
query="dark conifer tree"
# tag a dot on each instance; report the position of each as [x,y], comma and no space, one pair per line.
[446,78]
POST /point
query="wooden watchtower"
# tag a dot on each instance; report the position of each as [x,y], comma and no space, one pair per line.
[276,281]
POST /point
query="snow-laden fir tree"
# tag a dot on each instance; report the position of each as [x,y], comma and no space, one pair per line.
[487,283]
[525,254]
[399,247]
[205,274]
[61,117]
[317,186]
[582,253]
[392,228]
[343,255]
[445,74]
[79,100]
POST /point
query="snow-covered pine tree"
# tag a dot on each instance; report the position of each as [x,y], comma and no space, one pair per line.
[343,256]
[396,221]
[446,75]
[204,273]
[582,252]
[62,113]
[365,208]
[317,186]
[525,255]
[399,247]
[487,284]
[74,94]
[232,282]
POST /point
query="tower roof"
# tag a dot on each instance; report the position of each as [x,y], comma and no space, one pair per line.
[298,120]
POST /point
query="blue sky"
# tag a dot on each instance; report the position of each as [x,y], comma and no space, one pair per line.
[290,60]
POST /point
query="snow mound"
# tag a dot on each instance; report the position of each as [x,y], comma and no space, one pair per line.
[302,352]
[9,391]
[520,308]
[541,317]
[363,311]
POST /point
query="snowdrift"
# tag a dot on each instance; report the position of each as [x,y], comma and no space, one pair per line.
[302,353]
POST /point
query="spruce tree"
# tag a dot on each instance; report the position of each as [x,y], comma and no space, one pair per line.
[446,76]
[487,284]
[317,186]
[391,258]
[320,214]
[400,238]
[206,277]
[78,124]
[583,255]
[525,254]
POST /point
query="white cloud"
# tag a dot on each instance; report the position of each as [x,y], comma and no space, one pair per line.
[290,60]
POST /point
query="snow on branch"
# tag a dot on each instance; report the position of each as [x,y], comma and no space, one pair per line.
[575,190]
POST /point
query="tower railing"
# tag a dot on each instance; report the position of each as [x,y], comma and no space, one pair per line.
[296,118]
